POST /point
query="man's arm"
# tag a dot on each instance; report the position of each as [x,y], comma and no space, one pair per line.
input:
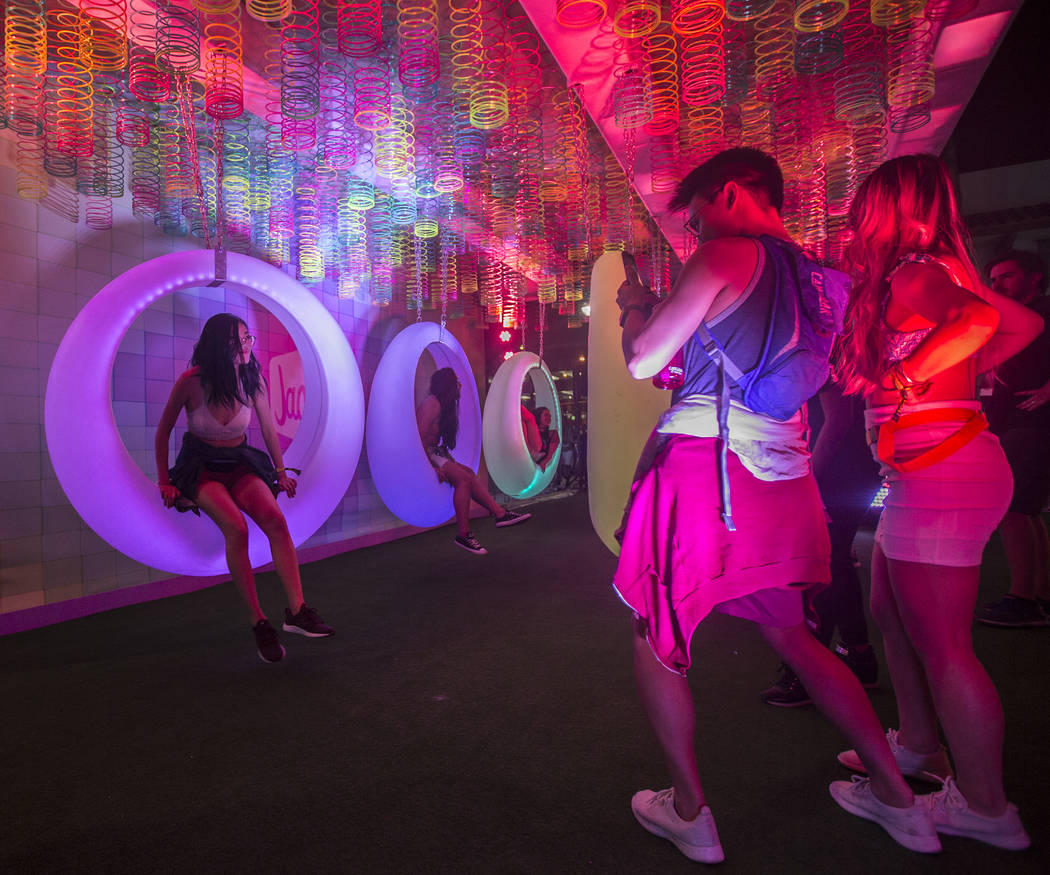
[649,344]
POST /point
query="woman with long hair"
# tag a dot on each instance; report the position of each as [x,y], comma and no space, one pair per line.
[920,328]
[217,472]
[548,436]
[437,419]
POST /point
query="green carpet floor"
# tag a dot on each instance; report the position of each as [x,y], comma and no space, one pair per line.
[473,714]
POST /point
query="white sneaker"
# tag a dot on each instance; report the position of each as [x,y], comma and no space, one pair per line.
[911,827]
[952,816]
[933,767]
[697,839]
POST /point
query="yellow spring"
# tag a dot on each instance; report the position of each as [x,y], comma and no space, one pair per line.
[269,10]
[895,13]
[636,18]
[774,51]
[25,37]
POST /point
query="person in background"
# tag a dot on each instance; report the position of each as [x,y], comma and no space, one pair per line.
[1019,415]
[920,328]
[848,480]
[217,472]
[437,418]
[548,439]
[679,559]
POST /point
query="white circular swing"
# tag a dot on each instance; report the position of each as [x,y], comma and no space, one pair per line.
[507,455]
[111,493]
[404,477]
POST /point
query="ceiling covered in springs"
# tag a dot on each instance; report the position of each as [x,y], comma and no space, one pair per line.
[433,153]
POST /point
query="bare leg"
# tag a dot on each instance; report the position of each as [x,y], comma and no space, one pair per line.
[668,703]
[215,500]
[840,697]
[935,604]
[256,499]
[918,719]
[463,479]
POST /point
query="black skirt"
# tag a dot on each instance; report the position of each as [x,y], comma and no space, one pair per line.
[196,455]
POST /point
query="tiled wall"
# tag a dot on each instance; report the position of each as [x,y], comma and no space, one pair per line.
[49,268]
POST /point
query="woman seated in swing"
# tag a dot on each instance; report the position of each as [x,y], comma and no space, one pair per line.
[437,418]
[548,438]
[217,472]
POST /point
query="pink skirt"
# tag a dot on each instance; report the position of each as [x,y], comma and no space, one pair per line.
[678,560]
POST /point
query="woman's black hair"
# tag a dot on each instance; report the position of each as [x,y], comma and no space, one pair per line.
[444,385]
[224,382]
[537,413]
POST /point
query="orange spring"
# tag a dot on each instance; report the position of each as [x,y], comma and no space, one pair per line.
[268,10]
[662,55]
[580,13]
[756,122]
[910,78]
[25,37]
[774,52]
[24,103]
[223,70]
[895,13]
[30,177]
[216,7]
[106,49]
[663,162]
[869,143]
[636,18]
[615,205]
[812,16]
[703,134]
[840,178]
[695,17]
[703,68]
[70,99]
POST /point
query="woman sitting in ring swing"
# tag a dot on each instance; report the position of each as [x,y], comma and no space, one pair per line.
[219,473]
[437,419]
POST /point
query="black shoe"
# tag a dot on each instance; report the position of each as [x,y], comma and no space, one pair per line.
[862,662]
[471,544]
[512,518]
[307,622]
[1013,612]
[787,692]
[269,647]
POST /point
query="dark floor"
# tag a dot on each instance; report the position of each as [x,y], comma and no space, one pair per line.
[473,714]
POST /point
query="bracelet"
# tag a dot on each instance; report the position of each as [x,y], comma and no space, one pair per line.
[645,310]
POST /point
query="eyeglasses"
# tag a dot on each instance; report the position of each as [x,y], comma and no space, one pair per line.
[693,223]
[248,340]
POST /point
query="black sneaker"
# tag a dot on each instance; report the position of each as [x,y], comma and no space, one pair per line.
[471,544]
[511,518]
[862,662]
[787,692]
[307,622]
[1013,612]
[269,647]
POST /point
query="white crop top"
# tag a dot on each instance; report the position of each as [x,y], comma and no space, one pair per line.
[202,423]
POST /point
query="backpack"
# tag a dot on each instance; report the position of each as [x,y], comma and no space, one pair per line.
[806,314]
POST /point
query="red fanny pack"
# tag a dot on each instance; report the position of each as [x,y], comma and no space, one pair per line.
[973,423]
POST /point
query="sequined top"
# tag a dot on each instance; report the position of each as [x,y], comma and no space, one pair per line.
[898,345]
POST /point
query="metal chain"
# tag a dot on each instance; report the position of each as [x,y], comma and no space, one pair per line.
[182,88]
[417,249]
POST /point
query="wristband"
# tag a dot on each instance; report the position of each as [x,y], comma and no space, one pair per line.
[646,311]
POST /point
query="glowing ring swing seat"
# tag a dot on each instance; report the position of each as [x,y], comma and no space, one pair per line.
[403,476]
[621,411]
[112,494]
[507,456]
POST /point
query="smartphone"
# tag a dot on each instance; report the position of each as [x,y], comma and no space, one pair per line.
[630,268]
